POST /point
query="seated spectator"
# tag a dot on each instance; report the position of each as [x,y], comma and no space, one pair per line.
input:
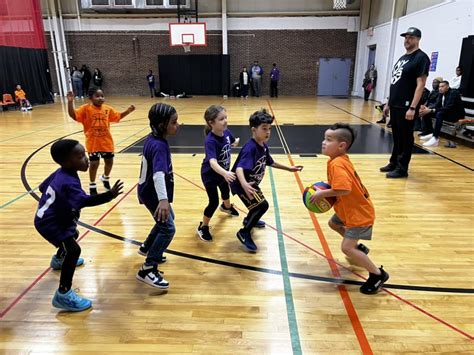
[425,109]
[417,127]
[449,107]
[380,108]
[20,99]
[456,80]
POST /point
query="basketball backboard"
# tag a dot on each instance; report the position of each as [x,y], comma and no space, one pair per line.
[188,34]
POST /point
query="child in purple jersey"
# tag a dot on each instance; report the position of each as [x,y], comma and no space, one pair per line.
[155,191]
[58,212]
[250,169]
[215,167]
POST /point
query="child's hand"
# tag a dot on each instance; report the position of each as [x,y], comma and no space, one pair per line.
[236,142]
[117,188]
[229,176]
[296,168]
[249,190]
[70,96]
[316,197]
[131,108]
[162,212]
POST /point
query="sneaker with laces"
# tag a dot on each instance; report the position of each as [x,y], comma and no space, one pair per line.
[203,233]
[260,223]
[375,282]
[105,181]
[426,137]
[230,211]
[246,239]
[150,275]
[70,301]
[92,189]
[143,251]
[57,263]
[363,248]
[432,142]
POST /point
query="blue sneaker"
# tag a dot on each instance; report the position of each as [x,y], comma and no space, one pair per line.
[246,239]
[70,301]
[57,263]
[260,223]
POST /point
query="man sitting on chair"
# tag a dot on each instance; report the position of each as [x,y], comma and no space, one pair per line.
[449,107]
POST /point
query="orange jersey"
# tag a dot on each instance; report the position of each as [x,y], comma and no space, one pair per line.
[96,122]
[20,94]
[356,208]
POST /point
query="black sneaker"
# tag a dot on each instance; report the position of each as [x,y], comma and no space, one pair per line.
[230,211]
[150,275]
[246,239]
[363,248]
[382,120]
[203,233]
[389,125]
[260,223]
[106,182]
[93,190]
[374,283]
[387,168]
[396,174]
[143,251]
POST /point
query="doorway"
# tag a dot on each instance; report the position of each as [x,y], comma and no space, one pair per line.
[334,76]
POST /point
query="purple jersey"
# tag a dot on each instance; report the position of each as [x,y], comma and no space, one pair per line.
[156,157]
[59,207]
[218,148]
[253,158]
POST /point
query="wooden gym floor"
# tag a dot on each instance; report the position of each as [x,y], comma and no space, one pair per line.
[296,295]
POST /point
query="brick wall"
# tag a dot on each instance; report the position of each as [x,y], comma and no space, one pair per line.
[124,62]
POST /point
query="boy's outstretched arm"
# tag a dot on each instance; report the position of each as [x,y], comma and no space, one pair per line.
[129,110]
[287,168]
[320,194]
[105,197]
[70,105]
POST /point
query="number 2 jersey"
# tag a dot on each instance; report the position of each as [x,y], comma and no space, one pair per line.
[60,205]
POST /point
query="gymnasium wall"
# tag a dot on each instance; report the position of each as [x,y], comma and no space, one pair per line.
[443,27]
[124,56]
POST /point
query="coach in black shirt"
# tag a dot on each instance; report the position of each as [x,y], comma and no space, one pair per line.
[408,81]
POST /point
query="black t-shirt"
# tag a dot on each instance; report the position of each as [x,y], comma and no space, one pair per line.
[404,74]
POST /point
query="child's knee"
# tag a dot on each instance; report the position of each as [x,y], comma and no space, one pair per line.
[264,206]
[348,247]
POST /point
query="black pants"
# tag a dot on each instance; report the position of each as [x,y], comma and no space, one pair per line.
[427,125]
[213,196]
[70,251]
[366,95]
[257,207]
[440,117]
[402,130]
[273,88]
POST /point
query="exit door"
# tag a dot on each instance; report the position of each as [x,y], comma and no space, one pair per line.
[333,77]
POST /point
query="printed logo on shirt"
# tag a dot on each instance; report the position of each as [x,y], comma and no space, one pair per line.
[398,70]
[224,156]
[99,124]
[259,170]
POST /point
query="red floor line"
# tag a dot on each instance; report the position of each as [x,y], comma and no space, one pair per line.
[40,276]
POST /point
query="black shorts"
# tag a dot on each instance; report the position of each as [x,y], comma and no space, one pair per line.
[257,199]
[97,155]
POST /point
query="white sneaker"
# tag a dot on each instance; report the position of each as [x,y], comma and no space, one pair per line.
[152,277]
[427,137]
[433,142]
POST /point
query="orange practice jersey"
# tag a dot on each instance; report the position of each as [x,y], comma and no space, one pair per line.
[20,94]
[356,208]
[96,122]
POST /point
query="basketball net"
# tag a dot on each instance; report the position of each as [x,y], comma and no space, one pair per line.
[339,4]
[186,47]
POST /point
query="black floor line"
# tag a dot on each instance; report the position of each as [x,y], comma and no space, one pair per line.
[419,146]
[236,265]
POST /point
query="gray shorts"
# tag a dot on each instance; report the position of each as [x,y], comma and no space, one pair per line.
[354,232]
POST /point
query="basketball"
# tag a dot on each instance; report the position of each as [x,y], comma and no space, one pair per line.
[322,206]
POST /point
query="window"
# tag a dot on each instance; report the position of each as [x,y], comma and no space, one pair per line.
[100,3]
[120,3]
[154,3]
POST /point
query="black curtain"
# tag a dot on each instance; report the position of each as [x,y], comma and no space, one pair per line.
[466,62]
[29,68]
[194,74]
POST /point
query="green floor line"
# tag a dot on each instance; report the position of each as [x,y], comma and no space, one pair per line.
[290,307]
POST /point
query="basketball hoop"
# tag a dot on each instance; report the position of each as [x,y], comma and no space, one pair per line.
[340,4]
[187,47]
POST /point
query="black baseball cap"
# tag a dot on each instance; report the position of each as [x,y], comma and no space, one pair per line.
[412,31]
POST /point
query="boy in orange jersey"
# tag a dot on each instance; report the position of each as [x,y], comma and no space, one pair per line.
[20,98]
[355,212]
[96,118]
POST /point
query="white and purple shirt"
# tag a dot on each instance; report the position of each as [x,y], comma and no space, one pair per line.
[218,148]
[253,159]
[156,157]
[60,205]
